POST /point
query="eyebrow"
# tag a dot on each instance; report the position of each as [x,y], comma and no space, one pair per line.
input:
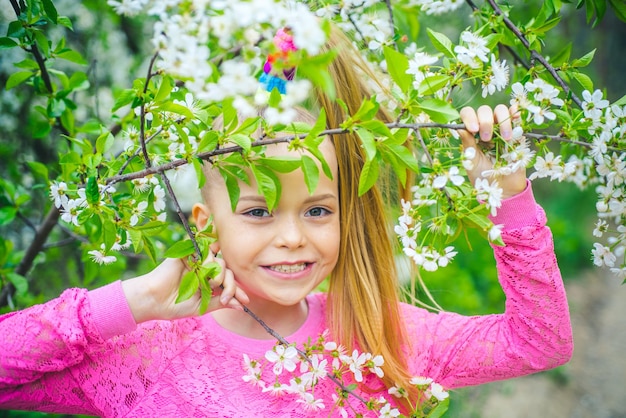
[311,199]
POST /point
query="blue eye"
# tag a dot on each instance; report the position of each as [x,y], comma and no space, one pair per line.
[317,212]
[257,213]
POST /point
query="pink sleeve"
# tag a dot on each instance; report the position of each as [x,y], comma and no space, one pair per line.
[533,334]
[41,345]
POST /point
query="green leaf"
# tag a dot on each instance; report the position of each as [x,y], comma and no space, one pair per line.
[55,108]
[397,64]
[79,81]
[209,141]
[164,89]
[151,228]
[431,85]
[16,29]
[125,97]
[619,7]
[442,43]
[39,169]
[583,79]
[65,21]
[188,286]
[243,141]
[281,164]
[206,294]
[104,142]
[439,110]
[136,237]
[180,249]
[369,143]
[584,61]
[311,173]
[19,282]
[109,234]
[28,64]
[268,185]
[6,43]
[546,26]
[369,175]
[403,154]
[17,78]
[275,98]
[7,214]
[50,10]
[176,108]
[562,56]
[232,186]
[197,166]
[440,409]
[313,141]
[43,43]
[72,56]
[377,127]
[149,248]
[367,111]
[92,191]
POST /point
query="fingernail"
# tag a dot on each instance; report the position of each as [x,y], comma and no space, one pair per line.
[506,134]
[485,136]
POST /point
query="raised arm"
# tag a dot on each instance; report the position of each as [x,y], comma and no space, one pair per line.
[533,334]
[83,352]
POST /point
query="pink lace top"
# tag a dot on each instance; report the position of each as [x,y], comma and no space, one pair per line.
[83,352]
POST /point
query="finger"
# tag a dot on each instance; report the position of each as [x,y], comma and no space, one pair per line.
[228,287]
[470,120]
[503,118]
[239,300]
[485,122]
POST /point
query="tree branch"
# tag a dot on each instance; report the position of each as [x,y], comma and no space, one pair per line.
[534,54]
[35,247]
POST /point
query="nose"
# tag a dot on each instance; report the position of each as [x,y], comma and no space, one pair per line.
[290,232]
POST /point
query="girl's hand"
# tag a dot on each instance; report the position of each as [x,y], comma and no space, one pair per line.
[153,295]
[482,122]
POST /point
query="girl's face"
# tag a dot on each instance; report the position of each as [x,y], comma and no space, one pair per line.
[279,257]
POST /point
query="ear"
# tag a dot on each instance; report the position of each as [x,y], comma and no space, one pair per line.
[201,215]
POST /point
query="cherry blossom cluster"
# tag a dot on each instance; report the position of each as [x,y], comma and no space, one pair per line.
[214,46]
[75,209]
[424,219]
[296,372]
[600,164]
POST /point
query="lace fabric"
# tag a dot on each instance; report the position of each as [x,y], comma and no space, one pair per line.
[53,357]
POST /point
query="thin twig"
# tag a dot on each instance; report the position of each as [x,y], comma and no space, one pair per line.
[534,54]
[392,24]
[142,116]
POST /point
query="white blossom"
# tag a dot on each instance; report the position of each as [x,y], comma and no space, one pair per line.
[100,257]
[282,357]
[602,256]
[593,104]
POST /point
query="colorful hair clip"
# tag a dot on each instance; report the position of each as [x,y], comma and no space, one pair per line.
[271,79]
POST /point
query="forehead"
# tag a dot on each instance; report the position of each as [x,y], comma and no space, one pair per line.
[326,148]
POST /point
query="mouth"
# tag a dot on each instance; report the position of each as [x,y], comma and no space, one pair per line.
[289,268]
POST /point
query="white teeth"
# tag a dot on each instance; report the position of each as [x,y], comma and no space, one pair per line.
[288,268]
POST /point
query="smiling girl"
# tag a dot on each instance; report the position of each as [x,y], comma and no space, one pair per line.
[127,349]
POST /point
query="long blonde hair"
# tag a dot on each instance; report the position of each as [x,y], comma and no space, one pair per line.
[363,298]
